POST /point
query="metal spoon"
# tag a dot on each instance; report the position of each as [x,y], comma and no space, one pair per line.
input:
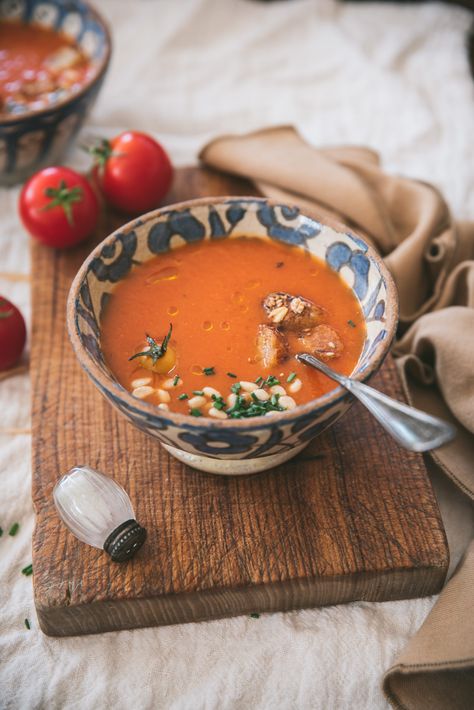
[413,429]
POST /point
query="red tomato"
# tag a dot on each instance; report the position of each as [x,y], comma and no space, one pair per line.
[59,207]
[133,171]
[12,334]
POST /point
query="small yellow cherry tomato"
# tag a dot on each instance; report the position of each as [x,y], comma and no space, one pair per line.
[163,365]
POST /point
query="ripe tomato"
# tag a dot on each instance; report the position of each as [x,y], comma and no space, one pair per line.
[59,207]
[133,171]
[12,334]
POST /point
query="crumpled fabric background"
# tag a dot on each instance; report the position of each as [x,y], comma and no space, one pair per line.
[394,78]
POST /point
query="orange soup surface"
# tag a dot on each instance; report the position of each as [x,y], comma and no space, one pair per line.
[230,303]
[38,67]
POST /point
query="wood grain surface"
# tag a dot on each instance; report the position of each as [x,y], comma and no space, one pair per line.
[352,517]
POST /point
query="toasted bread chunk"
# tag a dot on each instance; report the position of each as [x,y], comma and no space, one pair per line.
[290,312]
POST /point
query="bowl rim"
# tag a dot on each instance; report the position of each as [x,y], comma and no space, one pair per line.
[6,120]
[187,421]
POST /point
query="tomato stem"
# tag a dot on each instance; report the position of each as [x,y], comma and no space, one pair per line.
[63,196]
[101,152]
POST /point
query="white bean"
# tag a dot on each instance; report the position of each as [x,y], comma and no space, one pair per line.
[287,402]
[196,402]
[248,386]
[170,383]
[231,399]
[295,386]
[141,382]
[277,389]
[261,395]
[217,413]
[209,391]
[142,392]
[164,406]
[163,395]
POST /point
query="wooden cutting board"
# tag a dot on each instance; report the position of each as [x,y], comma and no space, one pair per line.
[352,517]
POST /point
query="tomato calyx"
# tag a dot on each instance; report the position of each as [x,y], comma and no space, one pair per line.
[63,196]
[101,152]
[156,350]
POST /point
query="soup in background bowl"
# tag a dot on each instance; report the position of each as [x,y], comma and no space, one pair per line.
[244,283]
[53,59]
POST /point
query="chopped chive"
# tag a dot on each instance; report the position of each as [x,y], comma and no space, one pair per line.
[254,615]
[176,380]
[27,570]
[27,624]
[209,371]
[231,374]
[236,388]
[272,380]
[14,529]
[291,377]
[196,412]
[259,380]
[183,396]
[274,399]
[218,402]
[351,323]
[198,393]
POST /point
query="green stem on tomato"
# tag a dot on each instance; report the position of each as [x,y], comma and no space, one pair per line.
[63,196]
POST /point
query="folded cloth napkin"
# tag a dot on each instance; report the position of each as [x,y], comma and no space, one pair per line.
[432,260]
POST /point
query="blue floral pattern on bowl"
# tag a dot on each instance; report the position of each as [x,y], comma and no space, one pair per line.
[159,231]
[32,140]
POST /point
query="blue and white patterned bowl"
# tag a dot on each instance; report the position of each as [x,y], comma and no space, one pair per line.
[230,446]
[29,141]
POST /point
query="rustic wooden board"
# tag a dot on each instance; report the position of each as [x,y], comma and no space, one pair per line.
[352,517]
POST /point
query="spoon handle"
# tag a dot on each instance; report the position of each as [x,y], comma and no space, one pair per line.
[413,429]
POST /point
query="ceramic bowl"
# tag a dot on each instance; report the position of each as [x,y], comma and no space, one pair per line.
[31,140]
[245,445]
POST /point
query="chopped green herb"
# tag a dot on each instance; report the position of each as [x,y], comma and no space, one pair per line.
[1,532]
[176,380]
[259,381]
[236,388]
[231,374]
[27,570]
[209,371]
[183,396]
[218,402]
[274,399]
[243,408]
[14,529]
[196,412]
[271,380]
[254,615]
[156,350]
[198,393]
[351,323]
[291,377]
[27,624]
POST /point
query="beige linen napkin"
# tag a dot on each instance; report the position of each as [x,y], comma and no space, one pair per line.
[432,260]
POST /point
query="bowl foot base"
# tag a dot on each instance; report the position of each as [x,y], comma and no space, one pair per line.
[233,467]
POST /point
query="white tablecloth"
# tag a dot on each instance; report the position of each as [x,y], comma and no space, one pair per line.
[392,77]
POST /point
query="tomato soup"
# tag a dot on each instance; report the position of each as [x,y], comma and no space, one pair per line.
[38,67]
[224,320]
